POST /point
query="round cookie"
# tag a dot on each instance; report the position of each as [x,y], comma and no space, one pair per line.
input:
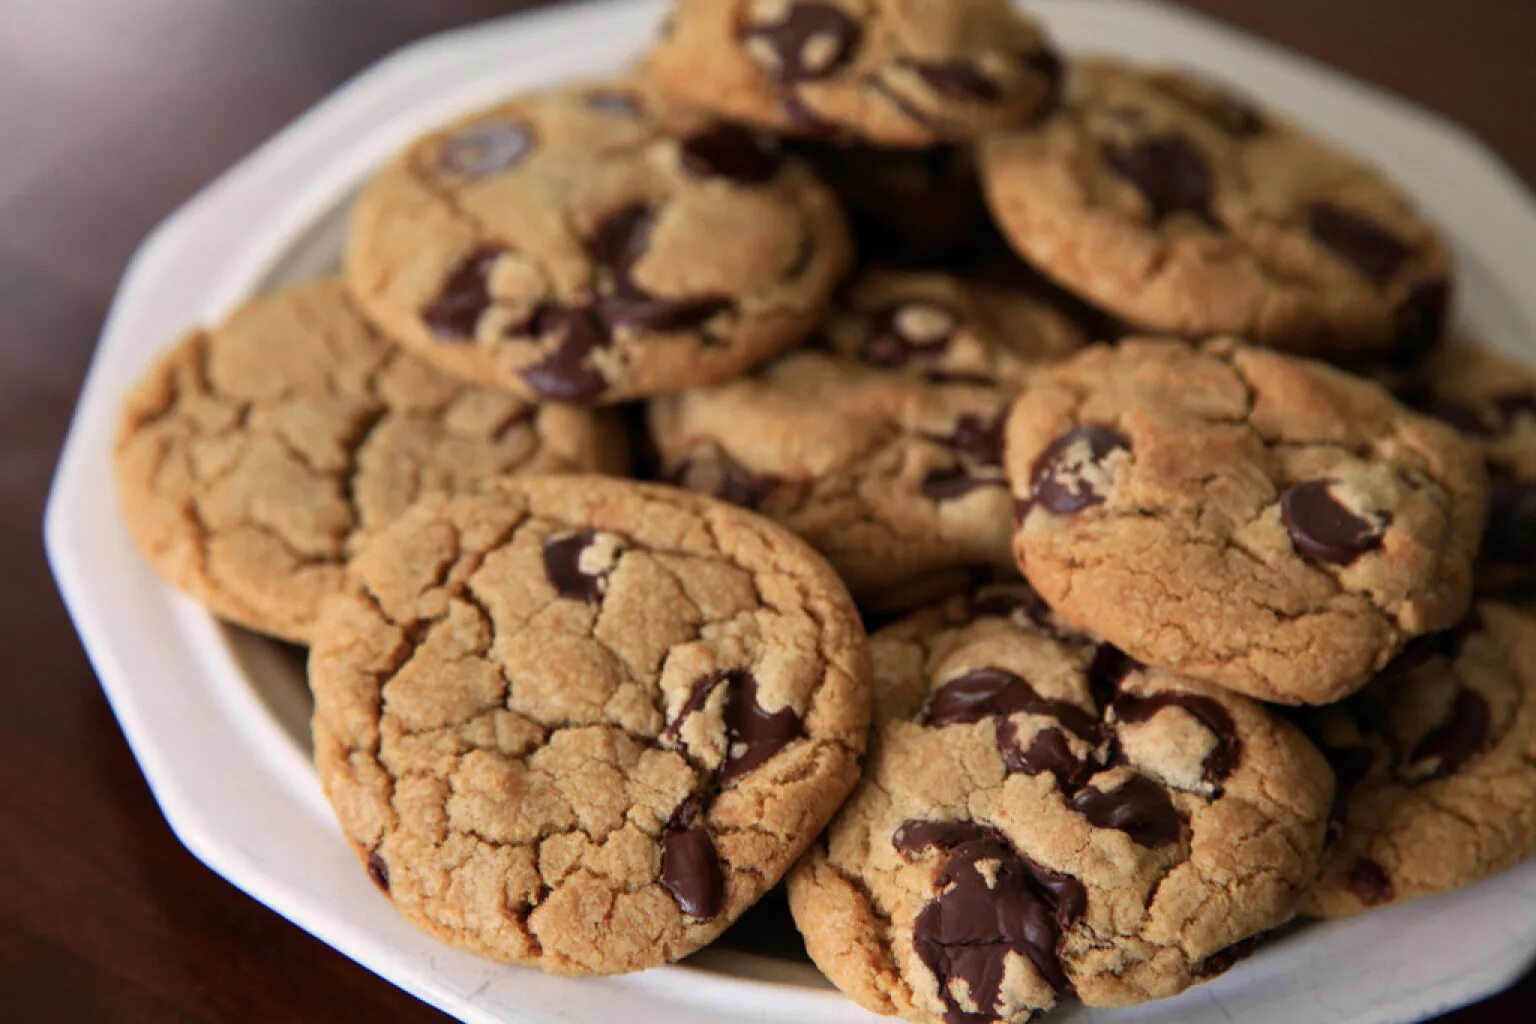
[948,329]
[890,477]
[1040,816]
[255,456]
[1186,210]
[1436,762]
[887,72]
[1491,398]
[582,723]
[595,244]
[1263,522]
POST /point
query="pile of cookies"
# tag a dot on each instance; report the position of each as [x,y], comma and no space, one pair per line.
[1162,493]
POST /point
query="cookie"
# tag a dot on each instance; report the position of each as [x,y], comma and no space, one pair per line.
[948,329]
[1491,398]
[1263,522]
[1436,762]
[595,244]
[581,723]
[255,456]
[892,478]
[886,72]
[1040,816]
[1187,210]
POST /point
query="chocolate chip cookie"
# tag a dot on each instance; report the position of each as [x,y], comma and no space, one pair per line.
[582,723]
[1436,762]
[1264,522]
[1041,816]
[1491,398]
[256,455]
[886,72]
[1188,210]
[892,478]
[595,244]
[948,329]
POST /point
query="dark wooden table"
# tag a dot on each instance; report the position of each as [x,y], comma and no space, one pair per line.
[112,114]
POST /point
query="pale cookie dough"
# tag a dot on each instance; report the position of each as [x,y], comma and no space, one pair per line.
[581,723]
[1187,210]
[1260,521]
[595,244]
[1040,816]
[255,456]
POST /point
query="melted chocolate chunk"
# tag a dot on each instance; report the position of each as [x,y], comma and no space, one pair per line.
[1063,477]
[913,838]
[1049,751]
[1007,603]
[1322,527]
[978,439]
[690,865]
[979,445]
[1171,174]
[618,244]
[806,121]
[566,374]
[753,733]
[1370,882]
[1046,63]
[378,871]
[1223,961]
[724,478]
[485,149]
[1140,808]
[955,482]
[992,692]
[1419,323]
[1360,242]
[812,40]
[1454,742]
[1510,538]
[456,312]
[733,153]
[1109,666]
[903,334]
[562,566]
[958,79]
[1224,757]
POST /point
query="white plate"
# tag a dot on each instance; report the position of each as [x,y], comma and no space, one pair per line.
[218,718]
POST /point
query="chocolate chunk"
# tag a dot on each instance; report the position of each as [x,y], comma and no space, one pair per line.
[1049,751]
[902,334]
[617,245]
[1007,603]
[724,477]
[980,440]
[1360,242]
[562,565]
[1322,527]
[1370,882]
[378,871]
[1170,172]
[990,692]
[806,121]
[1510,538]
[456,312]
[618,104]
[955,482]
[485,149]
[733,153]
[566,374]
[914,838]
[1419,323]
[958,79]
[1221,962]
[1131,709]
[1456,740]
[1069,475]
[753,733]
[1046,63]
[811,40]
[1110,665]
[690,866]
[1140,808]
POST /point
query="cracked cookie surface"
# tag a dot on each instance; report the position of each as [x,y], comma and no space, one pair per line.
[892,478]
[1041,816]
[1260,521]
[889,72]
[1188,210]
[582,723]
[595,244]
[254,457]
[1436,761]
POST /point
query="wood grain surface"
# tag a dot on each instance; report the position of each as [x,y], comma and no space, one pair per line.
[112,113]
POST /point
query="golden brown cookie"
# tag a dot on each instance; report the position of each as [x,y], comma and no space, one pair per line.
[256,455]
[582,723]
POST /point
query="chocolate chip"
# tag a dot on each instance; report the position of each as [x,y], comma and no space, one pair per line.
[566,374]
[1171,174]
[1069,476]
[978,445]
[1454,742]
[1510,538]
[1139,807]
[811,40]
[1109,667]
[618,104]
[1360,242]
[562,566]
[617,245]
[979,440]
[990,692]
[1322,527]
[914,838]
[1046,63]
[733,153]
[1221,962]
[378,871]
[958,79]
[1419,323]
[485,149]
[806,121]
[1008,603]
[456,312]
[753,733]
[723,477]
[1370,882]
[907,332]
[953,483]
[1223,758]
[690,865]
[1049,751]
